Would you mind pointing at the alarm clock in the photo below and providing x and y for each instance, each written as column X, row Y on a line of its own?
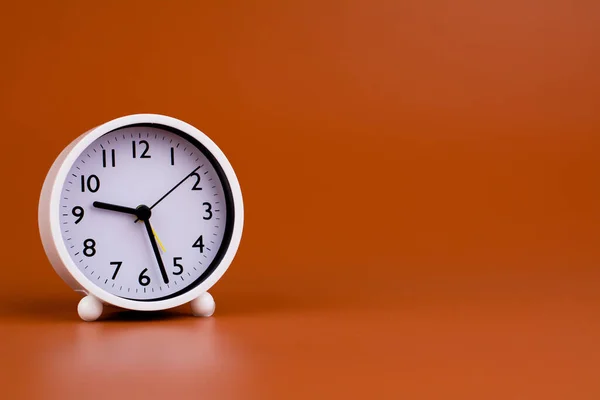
column 143, row 212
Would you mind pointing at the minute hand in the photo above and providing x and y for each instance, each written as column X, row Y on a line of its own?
column 161, row 265
column 173, row 188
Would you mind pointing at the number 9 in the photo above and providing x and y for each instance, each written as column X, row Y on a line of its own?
column 78, row 212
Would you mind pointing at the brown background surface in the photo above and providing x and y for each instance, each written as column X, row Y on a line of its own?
column 421, row 186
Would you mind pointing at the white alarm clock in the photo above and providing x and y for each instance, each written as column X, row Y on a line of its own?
column 143, row 212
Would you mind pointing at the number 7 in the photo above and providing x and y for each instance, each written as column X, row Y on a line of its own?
column 118, row 264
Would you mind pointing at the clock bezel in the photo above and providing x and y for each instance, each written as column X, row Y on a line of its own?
column 49, row 212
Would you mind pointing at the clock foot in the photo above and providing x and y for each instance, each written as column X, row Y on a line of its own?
column 203, row 305
column 89, row 308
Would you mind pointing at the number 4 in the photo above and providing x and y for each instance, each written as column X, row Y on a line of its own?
column 199, row 244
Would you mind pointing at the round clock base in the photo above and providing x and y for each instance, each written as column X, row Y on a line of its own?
column 203, row 305
column 90, row 308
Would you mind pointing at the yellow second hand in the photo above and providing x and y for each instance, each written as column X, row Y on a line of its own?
column 158, row 241
column 162, row 247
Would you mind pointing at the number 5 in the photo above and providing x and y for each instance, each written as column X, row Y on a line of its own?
column 176, row 265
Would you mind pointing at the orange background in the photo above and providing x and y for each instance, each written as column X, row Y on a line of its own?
column 421, row 183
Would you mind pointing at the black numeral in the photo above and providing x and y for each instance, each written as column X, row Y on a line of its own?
column 89, row 247
column 177, row 265
column 172, row 156
column 208, row 211
column 196, row 187
column 199, row 244
column 144, row 280
column 92, row 183
column 118, row 264
column 112, row 154
column 78, row 212
column 141, row 142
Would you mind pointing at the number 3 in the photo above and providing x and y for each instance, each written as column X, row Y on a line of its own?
column 208, row 210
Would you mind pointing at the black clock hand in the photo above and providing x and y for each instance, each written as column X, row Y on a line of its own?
column 174, row 187
column 114, row 207
column 142, row 212
column 161, row 266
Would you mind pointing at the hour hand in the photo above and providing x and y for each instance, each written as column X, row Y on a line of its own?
column 114, row 207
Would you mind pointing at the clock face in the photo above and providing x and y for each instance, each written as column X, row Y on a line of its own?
column 146, row 212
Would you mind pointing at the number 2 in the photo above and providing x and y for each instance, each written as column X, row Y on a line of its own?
column 195, row 187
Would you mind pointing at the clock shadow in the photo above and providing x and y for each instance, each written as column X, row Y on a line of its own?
column 64, row 309
column 229, row 303
column 114, row 315
column 232, row 303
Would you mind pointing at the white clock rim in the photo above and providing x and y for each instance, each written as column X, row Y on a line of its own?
column 56, row 248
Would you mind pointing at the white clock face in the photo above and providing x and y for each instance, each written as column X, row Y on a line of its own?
column 172, row 187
